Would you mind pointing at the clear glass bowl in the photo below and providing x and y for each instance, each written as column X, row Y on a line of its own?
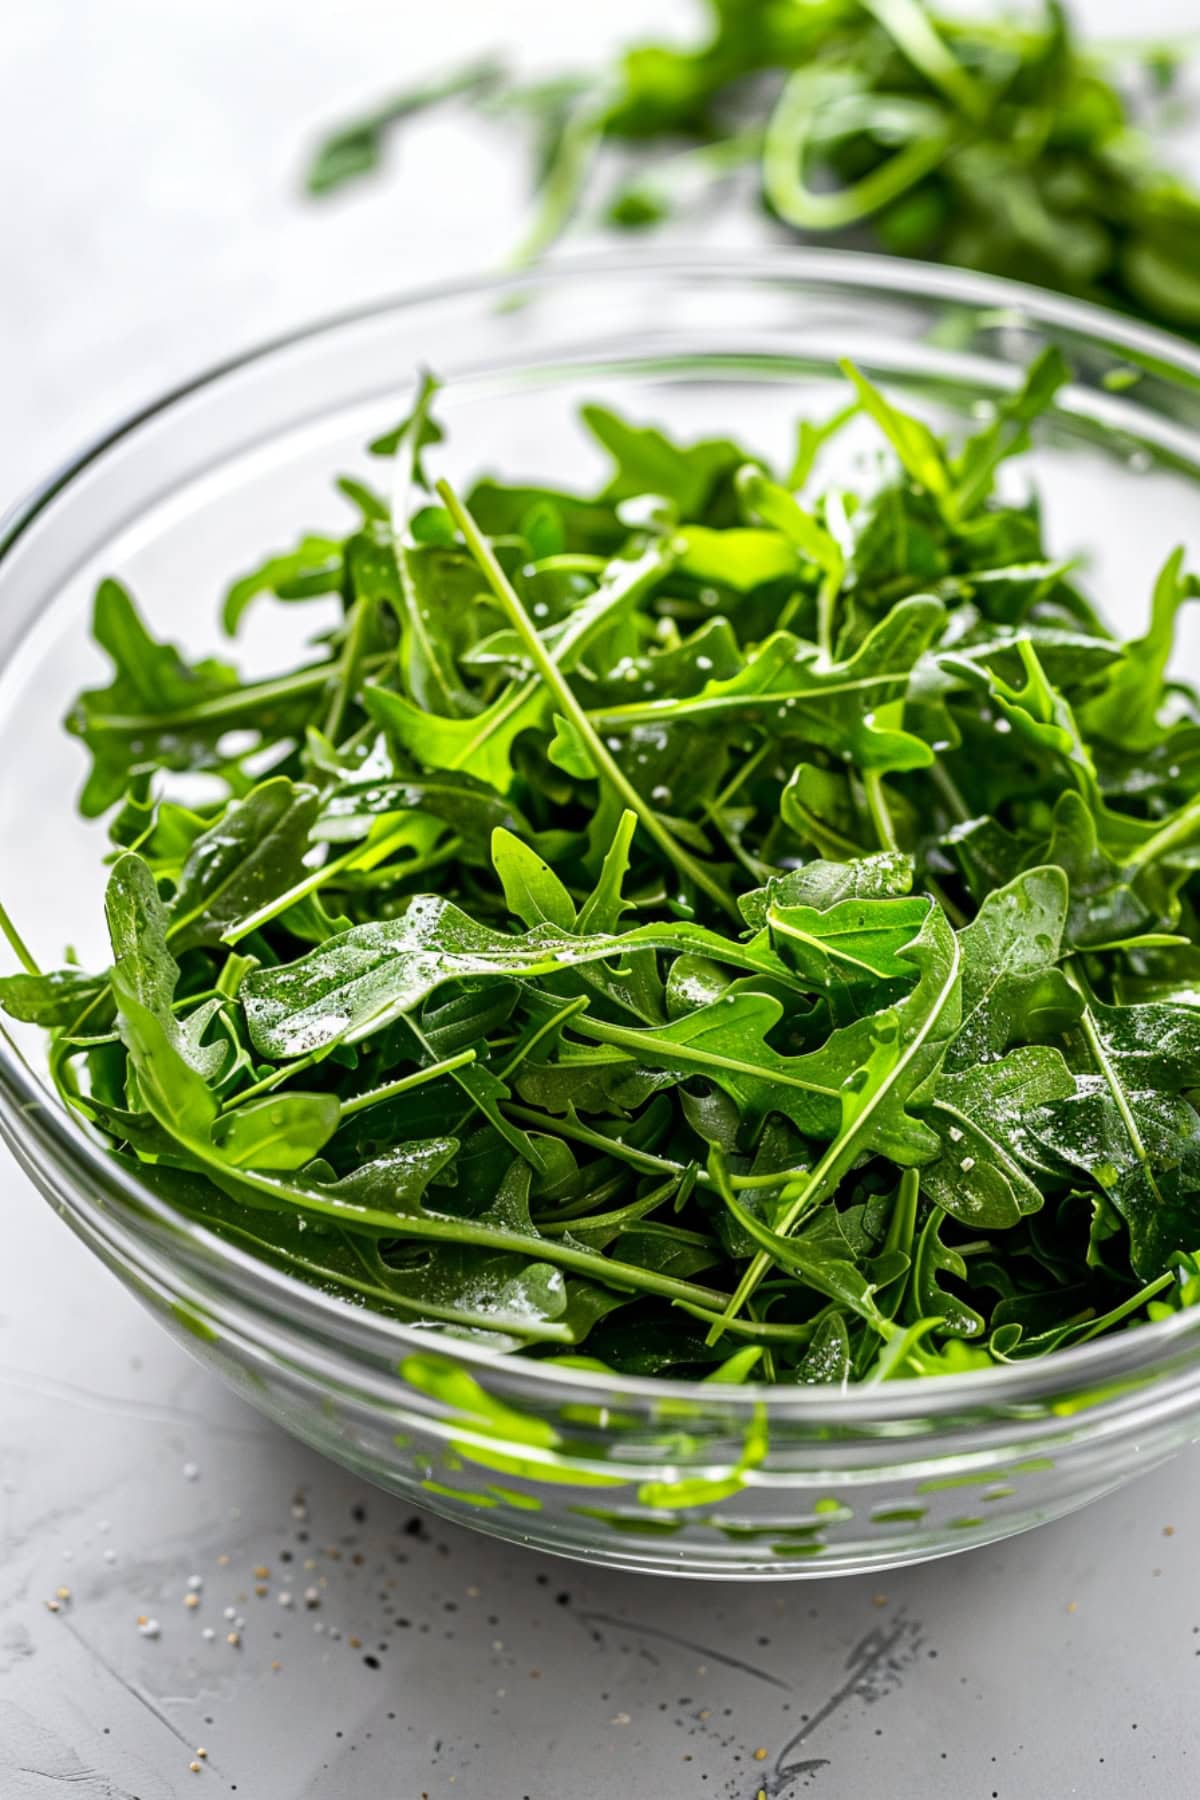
column 676, row 1477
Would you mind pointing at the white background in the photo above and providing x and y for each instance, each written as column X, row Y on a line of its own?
column 150, row 160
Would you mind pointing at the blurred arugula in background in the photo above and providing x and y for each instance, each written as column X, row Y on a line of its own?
column 998, row 143
column 733, row 921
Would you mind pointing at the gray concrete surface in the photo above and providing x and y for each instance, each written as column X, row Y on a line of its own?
column 147, row 166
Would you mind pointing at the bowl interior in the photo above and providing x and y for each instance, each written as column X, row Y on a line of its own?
column 241, row 465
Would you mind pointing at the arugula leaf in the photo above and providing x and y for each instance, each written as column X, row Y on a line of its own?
column 927, row 1298
column 673, row 886
column 280, row 1131
column 1105, row 903
column 532, row 891
column 915, row 444
column 315, row 567
column 58, row 999
column 1127, row 711
column 356, row 149
column 365, row 978
column 980, row 1178
column 647, row 462
column 851, row 949
column 1005, row 145
column 480, row 745
column 135, row 722
column 174, row 1069
column 1154, row 1045
column 785, row 683
column 1142, row 1150
column 1007, row 435
column 823, row 885
column 253, row 853
column 1011, row 986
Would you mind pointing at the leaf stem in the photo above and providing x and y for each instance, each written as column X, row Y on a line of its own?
column 406, row 1083
column 597, row 1140
column 225, row 706
column 311, row 882
column 563, row 182
column 347, row 669
column 790, row 134
column 549, row 671
column 827, row 597
column 437, row 1228
column 779, row 1179
column 275, row 1079
column 1181, row 826
column 19, row 947
column 917, row 38
column 877, row 805
column 948, row 788
column 681, row 1054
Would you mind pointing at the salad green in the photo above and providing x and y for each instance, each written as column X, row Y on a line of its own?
column 734, row 921
column 1002, row 143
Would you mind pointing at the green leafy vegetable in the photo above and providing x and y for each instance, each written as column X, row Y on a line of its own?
column 1002, row 144
column 751, row 935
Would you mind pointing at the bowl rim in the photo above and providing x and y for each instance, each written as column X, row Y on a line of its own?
column 69, row 1147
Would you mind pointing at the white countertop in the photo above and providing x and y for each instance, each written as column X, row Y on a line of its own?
column 149, row 160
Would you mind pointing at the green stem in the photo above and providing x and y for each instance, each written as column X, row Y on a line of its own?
column 741, row 775
column 569, row 562
column 583, row 1134
column 19, row 947
column 790, row 134
column 406, row 1083
column 1177, row 830
column 717, row 706
column 559, row 194
column 948, row 788
column 827, row 597
column 547, row 668
column 915, row 35
column 627, row 1214
column 877, row 804
column 347, row 672
column 779, row 1179
column 225, row 706
column 678, row 1054
column 275, row 1079
column 437, row 1229
column 815, row 1189
column 311, row 882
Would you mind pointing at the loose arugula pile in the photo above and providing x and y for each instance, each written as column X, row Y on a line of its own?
column 729, row 923
column 997, row 144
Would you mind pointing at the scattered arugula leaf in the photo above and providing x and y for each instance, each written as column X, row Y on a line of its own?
column 1003, row 144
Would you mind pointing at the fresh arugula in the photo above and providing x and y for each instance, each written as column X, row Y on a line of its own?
column 748, row 930
column 1002, row 144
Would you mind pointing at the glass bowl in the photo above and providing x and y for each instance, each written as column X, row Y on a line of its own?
column 686, row 1478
